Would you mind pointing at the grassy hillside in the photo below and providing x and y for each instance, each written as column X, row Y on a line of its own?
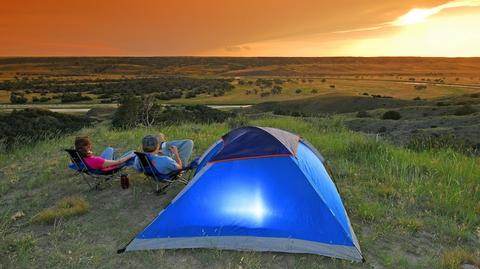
column 409, row 210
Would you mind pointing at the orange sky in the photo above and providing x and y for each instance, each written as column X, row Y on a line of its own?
column 239, row 28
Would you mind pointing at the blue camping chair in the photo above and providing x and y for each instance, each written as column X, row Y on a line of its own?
column 150, row 172
column 93, row 178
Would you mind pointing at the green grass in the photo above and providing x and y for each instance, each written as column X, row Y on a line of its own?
column 409, row 209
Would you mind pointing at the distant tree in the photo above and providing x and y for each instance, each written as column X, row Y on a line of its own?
column 276, row 89
column 465, row 110
column 264, row 94
column 391, row 115
column 126, row 114
column 18, row 98
column 382, row 129
column 420, row 87
column 74, row 97
column 44, row 99
column 190, row 94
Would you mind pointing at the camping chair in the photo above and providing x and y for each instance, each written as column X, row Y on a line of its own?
column 156, row 177
column 91, row 176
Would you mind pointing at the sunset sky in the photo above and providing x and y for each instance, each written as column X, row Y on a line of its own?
column 239, row 28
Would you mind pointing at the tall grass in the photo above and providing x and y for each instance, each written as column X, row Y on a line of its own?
column 395, row 197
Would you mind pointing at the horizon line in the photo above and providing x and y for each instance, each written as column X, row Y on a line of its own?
column 220, row 56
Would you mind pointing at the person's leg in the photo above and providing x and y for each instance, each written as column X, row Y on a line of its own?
column 107, row 154
column 185, row 148
column 128, row 153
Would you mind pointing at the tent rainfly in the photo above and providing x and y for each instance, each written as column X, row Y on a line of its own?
column 260, row 189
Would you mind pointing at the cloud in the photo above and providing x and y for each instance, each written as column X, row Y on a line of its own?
column 416, row 15
column 237, row 48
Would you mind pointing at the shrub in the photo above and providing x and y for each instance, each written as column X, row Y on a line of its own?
column 135, row 111
column 238, row 121
column 382, row 129
column 365, row 93
column 277, row 89
column 264, row 94
column 44, row 99
column 475, row 95
column 465, row 110
column 64, row 209
column 332, row 86
column 391, row 115
column 423, row 141
column 420, row 87
column 314, row 91
column 190, row 94
column 363, row 114
column 74, row 97
column 18, row 98
column 417, row 98
column 297, row 91
column 36, row 124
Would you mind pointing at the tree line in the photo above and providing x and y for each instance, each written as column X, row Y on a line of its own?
column 166, row 87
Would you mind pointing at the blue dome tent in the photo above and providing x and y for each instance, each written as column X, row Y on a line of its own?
column 261, row 189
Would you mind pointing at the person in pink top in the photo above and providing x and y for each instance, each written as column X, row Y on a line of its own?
column 105, row 162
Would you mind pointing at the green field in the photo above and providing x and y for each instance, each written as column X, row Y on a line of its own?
column 315, row 88
column 409, row 209
column 350, row 76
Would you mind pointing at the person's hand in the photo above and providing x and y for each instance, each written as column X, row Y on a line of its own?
column 174, row 150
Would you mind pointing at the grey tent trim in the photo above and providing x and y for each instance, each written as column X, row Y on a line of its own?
column 289, row 140
column 274, row 244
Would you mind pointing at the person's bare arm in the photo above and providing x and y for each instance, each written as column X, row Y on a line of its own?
column 109, row 163
column 174, row 150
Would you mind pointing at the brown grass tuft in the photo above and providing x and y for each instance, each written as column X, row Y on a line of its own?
column 454, row 258
column 65, row 208
column 410, row 224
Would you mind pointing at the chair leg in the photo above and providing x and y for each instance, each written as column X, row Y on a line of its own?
column 85, row 178
column 183, row 180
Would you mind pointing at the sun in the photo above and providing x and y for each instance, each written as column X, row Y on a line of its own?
column 414, row 16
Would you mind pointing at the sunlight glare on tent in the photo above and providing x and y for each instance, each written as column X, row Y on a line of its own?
column 247, row 205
